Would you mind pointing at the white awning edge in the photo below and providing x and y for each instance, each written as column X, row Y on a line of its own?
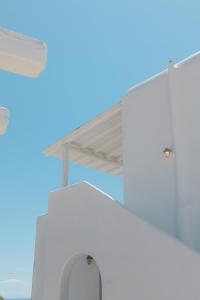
column 4, row 119
column 21, row 54
column 97, row 144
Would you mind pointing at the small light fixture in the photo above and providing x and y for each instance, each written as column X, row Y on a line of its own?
column 89, row 259
column 167, row 152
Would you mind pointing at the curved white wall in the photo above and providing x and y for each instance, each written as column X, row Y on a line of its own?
column 81, row 279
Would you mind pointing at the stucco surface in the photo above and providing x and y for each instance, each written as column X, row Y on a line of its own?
column 164, row 113
column 135, row 260
column 149, row 178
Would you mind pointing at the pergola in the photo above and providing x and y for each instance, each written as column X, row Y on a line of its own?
column 97, row 144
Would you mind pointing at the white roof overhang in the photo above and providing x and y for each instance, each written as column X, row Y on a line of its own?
column 97, row 144
column 4, row 119
column 21, row 54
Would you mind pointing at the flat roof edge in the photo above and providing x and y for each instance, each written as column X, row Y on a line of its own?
column 53, row 149
column 180, row 64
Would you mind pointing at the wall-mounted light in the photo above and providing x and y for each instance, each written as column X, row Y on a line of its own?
column 89, row 259
column 167, row 152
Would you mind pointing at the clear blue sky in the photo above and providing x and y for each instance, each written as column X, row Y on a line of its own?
column 97, row 49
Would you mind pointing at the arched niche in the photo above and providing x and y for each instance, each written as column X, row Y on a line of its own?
column 81, row 279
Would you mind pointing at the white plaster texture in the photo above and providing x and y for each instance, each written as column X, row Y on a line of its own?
column 135, row 259
column 164, row 113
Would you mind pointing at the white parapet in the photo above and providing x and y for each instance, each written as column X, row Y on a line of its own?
column 21, row 54
column 4, row 119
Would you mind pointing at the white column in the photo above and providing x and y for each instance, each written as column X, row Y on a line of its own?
column 65, row 154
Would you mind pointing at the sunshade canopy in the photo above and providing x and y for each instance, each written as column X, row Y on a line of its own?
column 4, row 119
column 21, row 54
column 97, row 144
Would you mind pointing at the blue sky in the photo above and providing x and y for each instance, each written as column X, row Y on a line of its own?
column 96, row 51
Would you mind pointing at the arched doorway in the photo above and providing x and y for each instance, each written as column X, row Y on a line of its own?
column 81, row 279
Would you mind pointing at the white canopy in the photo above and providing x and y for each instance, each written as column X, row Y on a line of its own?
column 4, row 119
column 97, row 144
column 21, row 54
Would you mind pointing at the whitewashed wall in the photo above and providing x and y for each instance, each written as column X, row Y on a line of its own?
column 39, row 268
column 164, row 112
column 185, row 86
column 135, row 260
column 149, row 178
column 83, row 281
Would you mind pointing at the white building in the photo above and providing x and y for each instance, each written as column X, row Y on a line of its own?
column 89, row 247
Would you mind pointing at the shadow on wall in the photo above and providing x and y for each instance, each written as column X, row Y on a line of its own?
column 81, row 279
